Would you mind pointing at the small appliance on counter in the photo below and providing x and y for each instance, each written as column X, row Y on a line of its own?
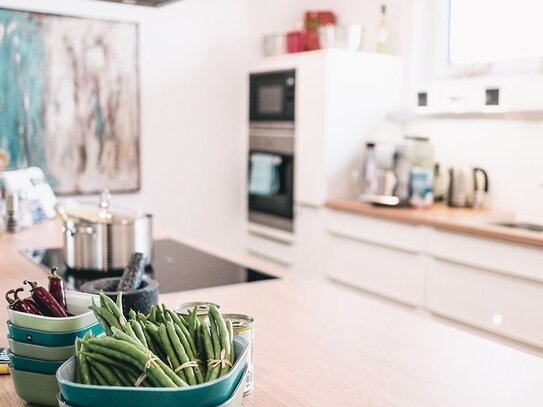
column 103, row 237
column 468, row 187
column 392, row 172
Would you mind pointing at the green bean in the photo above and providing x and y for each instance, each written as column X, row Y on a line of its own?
column 181, row 353
column 201, row 350
column 130, row 332
column 77, row 366
column 114, row 308
column 231, row 333
column 224, row 335
column 112, row 362
column 136, row 327
column 187, row 341
column 111, row 305
column 167, row 370
column 188, row 350
column 152, row 314
column 83, row 364
column 132, row 315
column 150, row 341
column 104, row 323
column 170, row 352
column 131, row 353
column 119, row 303
column 123, row 336
column 173, row 315
column 215, row 339
column 103, row 304
column 192, row 321
column 210, row 352
column 122, row 375
column 101, row 380
column 107, row 315
column 108, row 375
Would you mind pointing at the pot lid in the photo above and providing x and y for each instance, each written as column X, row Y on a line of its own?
column 104, row 212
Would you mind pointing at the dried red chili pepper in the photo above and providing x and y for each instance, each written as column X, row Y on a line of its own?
column 27, row 306
column 56, row 288
column 45, row 301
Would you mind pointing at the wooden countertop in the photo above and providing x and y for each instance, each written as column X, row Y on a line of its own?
column 470, row 221
column 317, row 344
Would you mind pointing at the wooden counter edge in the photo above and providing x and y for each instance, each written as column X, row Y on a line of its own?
column 460, row 220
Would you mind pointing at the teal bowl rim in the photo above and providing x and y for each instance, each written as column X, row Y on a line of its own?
column 9, row 323
column 44, row 347
column 63, row 381
column 33, row 365
column 43, row 361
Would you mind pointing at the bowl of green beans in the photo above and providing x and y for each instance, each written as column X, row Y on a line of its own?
column 160, row 359
column 208, row 394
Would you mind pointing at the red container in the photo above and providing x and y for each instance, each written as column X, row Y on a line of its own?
column 313, row 20
column 295, row 41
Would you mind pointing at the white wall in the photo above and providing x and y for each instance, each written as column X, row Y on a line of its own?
column 193, row 58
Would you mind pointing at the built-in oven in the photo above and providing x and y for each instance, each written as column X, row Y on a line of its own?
column 271, row 177
column 272, row 96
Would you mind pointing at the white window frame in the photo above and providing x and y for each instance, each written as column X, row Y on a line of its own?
column 443, row 67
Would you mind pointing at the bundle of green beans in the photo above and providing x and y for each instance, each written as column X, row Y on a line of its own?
column 161, row 349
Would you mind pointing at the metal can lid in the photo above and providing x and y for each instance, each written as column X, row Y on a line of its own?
column 202, row 307
column 239, row 320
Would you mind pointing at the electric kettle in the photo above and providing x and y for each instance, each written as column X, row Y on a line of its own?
column 466, row 188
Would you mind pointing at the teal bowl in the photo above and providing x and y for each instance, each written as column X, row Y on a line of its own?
column 34, row 365
column 202, row 395
column 29, row 350
column 234, row 400
column 35, row 388
column 43, row 338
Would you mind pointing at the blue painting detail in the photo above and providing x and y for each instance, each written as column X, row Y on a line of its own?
column 22, row 63
column 69, row 100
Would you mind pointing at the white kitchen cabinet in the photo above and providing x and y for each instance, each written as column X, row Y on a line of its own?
column 369, row 229
column 310, row 241
column 489, row 284
column 392, row 273
column 506, row 305
column 271, row 244
column 503, row 257
column 340, row 96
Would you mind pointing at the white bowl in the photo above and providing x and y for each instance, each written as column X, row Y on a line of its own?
column 30, row 350
column 78, row 304
column 347, row 37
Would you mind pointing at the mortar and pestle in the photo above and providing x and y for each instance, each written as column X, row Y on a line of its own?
column 138, row 293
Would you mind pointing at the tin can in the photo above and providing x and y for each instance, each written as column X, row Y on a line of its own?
column 421, row 188
column 244, row 326
column 202, row 309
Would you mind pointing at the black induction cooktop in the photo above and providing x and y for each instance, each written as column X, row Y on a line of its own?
column 176, row 267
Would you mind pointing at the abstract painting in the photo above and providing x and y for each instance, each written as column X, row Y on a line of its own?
column 69, row 100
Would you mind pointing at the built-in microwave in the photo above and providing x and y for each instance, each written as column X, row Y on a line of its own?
column 272, row 96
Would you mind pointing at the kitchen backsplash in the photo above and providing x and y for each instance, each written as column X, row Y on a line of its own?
column 509, row 150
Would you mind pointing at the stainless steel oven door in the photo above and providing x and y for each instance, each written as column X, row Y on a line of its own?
column 271, row 181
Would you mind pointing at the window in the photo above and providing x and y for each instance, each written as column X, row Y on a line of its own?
column 486, row 31
column 482, row 37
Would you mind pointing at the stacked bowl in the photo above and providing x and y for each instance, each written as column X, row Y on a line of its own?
column 39, row 345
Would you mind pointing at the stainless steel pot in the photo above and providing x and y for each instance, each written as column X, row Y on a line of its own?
column 102, row 238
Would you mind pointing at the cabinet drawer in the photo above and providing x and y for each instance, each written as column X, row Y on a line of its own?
column 502, row 304
column 392, row 273
column 372, row 230
column 271, row 249
column 509, row 258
